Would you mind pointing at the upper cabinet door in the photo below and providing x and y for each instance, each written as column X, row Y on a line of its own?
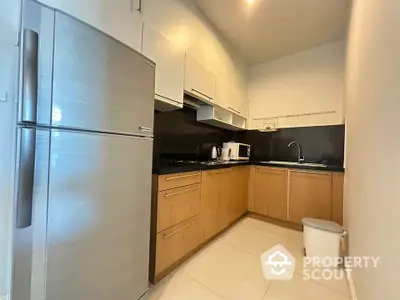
column 98, row 83
column 236, row 101
column 199, row 82
column 170, row 65
column 120, row 19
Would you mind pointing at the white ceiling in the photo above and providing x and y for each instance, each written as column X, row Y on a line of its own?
column 268, row 29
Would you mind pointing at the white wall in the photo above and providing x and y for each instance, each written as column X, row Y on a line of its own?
column 9, row 16
column 372, row 194
column 309, row 81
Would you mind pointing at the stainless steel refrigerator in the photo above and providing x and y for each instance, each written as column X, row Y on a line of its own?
column 83, row 169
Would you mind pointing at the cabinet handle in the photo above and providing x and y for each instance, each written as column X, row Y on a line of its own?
column 181, row 177
column 194, row 90
column 325, row 173
column 222, row 171
column 181, row 192
column 178, row 230
column 234, row 110
column 270, row 170
column 146, row 129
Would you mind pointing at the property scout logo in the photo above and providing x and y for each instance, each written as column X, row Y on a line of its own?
column 278, row 264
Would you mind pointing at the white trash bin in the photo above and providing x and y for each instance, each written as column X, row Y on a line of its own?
column 322, row 239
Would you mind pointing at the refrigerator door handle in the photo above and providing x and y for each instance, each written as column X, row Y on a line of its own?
column 26, row 171
column 30, row 75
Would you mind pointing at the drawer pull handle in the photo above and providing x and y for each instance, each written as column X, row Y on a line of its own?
column 181, row 192
column 178, row 230
column 181, row 177
column 325, row 173
column 274, row 171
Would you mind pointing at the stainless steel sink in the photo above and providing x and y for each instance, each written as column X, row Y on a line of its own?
column 293, row 163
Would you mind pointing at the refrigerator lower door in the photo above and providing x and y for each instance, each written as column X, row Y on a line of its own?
column 28, row 276
column 90, row 234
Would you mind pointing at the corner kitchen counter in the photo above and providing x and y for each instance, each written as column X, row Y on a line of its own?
column 175, row 167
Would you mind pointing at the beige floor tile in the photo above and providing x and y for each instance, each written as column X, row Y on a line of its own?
column 181, row 286
column 339, row 283
column 255, row 237
column 229, row 272
column 299, row 289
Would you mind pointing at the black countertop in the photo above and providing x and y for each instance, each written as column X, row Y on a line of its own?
column 180, row 167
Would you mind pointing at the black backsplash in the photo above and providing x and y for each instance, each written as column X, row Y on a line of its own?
column 320, row 144
column 178, row 135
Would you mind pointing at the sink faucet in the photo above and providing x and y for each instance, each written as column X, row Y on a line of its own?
column 300, row 157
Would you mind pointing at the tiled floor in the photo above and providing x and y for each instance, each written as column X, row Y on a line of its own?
column 230, row 269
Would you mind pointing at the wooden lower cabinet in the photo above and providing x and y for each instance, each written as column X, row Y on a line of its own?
column 210, row 195
column 310, row 195
column 176, row 205
column 239, row 191
column 176, row 242
column 170, row 181
column 268, row 195
column 223, row 198
column 190, row 208
column 337, row 197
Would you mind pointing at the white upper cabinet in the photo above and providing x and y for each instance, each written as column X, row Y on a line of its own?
column 199, row 81
column 120, row 19
column 237, row 101
column 232, row 98
column 170, row 66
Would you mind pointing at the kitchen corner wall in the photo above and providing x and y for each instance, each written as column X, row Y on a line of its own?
column 309, row 81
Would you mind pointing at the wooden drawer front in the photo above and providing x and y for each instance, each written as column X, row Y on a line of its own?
column 175, row 242
column 171, row 181
column 177, row 205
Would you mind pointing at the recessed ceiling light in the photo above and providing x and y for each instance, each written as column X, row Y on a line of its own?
column 250, row 1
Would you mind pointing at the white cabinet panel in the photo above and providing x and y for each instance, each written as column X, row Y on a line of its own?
column 233, row 99
column 199, row 82
column 120, row 19
column 170, row 66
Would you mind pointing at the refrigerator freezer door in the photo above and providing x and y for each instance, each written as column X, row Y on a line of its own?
column 98, row 216
column 36, row 68
column 100, row 84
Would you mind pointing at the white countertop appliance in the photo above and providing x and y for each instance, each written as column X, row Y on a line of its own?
column 239, row 151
